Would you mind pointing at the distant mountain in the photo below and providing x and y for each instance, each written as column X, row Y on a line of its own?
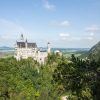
column 94, row 52
column 6, row 48
column 71, row 49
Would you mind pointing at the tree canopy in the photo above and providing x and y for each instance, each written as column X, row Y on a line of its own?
column 28, row 80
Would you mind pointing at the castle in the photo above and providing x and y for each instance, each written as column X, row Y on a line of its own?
column 25, row 49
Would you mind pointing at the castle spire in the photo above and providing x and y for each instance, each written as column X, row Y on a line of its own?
column 22, row 37
column 26, row 40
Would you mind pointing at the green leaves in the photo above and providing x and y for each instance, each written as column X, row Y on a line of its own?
column 28, row 80
column 25, row 79
column 78, row 76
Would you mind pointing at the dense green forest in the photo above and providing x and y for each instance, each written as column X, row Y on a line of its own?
column 28, row 80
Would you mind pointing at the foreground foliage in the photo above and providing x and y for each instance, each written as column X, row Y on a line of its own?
column 28, row 80
column 80, row 77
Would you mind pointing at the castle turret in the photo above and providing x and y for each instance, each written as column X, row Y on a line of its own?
column 26, row 43
column 48, row 47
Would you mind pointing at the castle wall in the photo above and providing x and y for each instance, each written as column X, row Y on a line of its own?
column 24, row 53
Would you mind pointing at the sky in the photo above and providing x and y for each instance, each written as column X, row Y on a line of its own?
column 63, row 23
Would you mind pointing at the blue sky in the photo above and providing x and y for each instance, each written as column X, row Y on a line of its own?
column 64, row 23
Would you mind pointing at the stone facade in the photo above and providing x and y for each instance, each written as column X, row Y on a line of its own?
column 24, row 50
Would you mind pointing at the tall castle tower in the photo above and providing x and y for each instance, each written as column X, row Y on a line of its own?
column 48, row 48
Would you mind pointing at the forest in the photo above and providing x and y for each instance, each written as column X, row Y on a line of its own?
column 26, row 79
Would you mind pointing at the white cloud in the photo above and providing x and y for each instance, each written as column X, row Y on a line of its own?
column 48, row 6
column 89, row 38
column 75, row 38
column 91, row 34
column 64, row 23
column 64, row 35
column 68, row 37
column 93, row 29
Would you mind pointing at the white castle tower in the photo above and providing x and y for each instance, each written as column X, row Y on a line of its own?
column 48, row 48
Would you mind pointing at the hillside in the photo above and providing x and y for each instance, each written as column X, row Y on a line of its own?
column 6, row 48
column 94, row 52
